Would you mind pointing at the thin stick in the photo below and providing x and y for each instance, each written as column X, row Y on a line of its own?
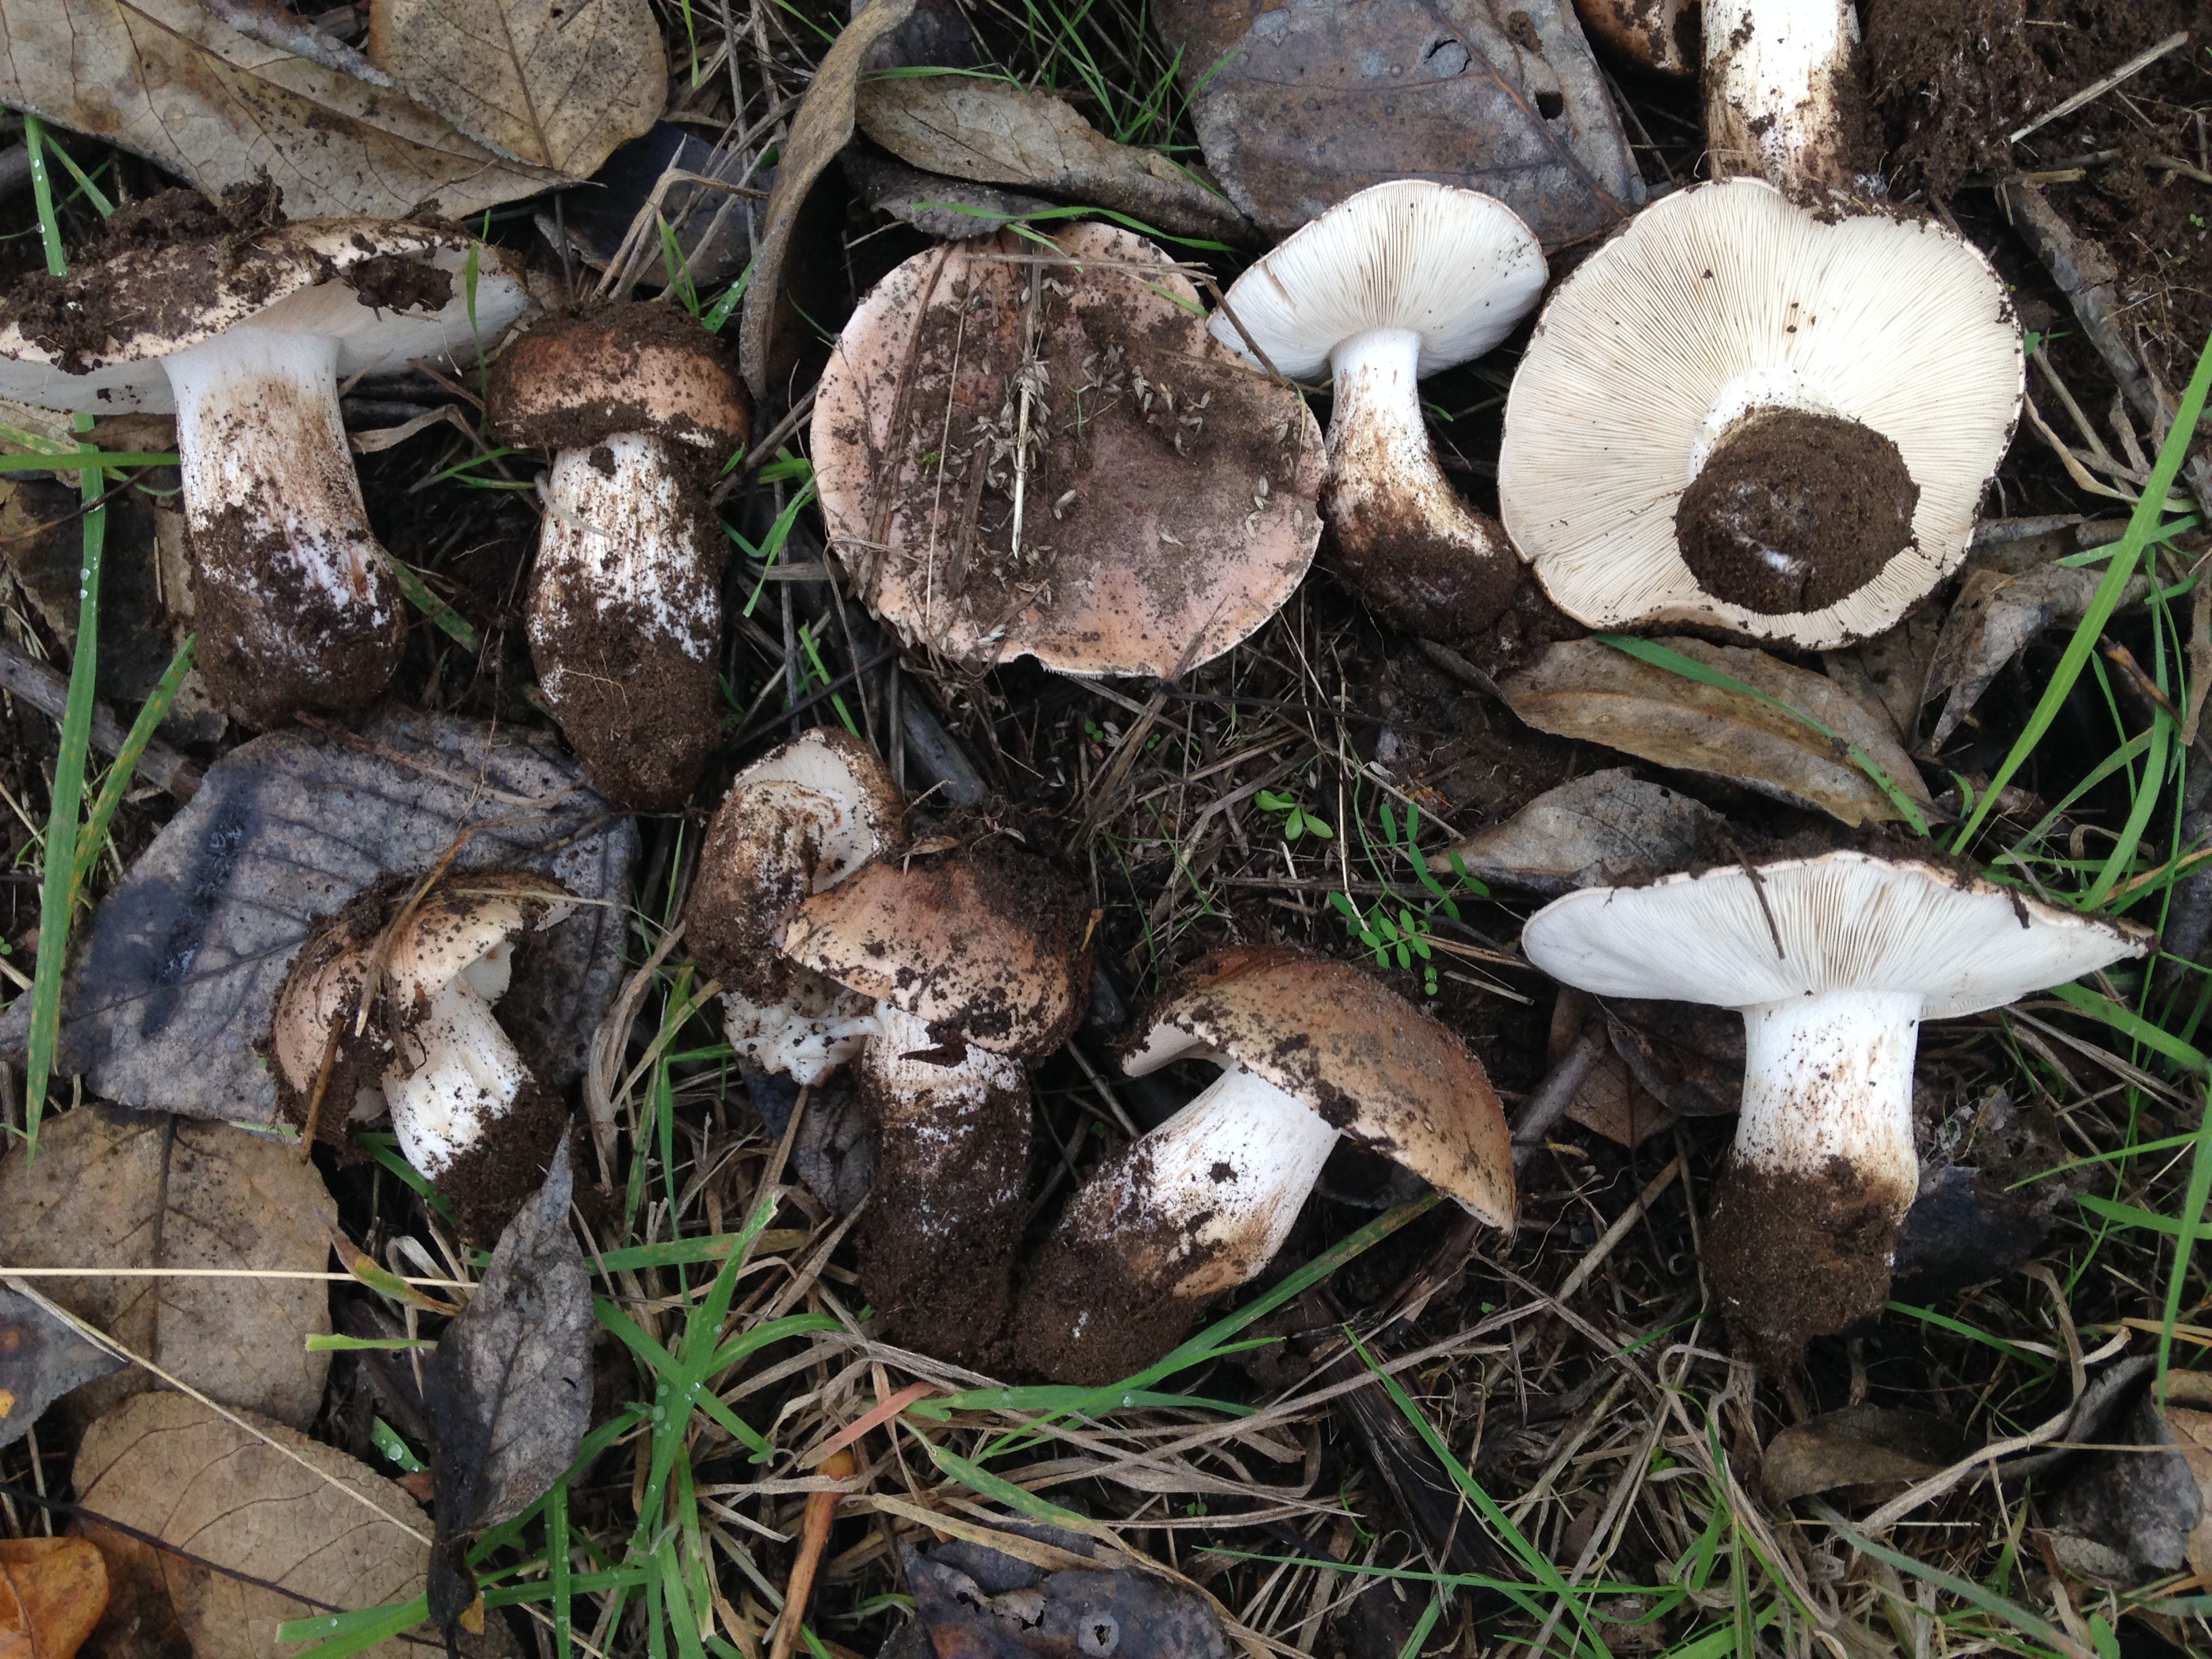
column 2134, row 65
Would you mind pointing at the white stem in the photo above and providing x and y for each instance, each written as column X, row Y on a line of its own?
column 1225, row 1177
column 621, row 538
column 456, row 1073
column 1777, row 77
column 258, row 429
column 1829, row 1078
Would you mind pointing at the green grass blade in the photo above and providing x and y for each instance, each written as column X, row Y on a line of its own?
column 1000, row 1490
column 117, row 784
column 42, row 192
column 2191, row 1223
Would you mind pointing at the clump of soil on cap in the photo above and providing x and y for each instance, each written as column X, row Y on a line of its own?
column 395, row 281
column 1793, row 511
column 939, row 1240
column 1793, row 1258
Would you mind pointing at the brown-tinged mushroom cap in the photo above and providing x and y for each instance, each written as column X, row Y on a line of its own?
column 1659, row 36
column 1376, row 1068
column 1021, row 457
column 573, row 382
column 989, row 943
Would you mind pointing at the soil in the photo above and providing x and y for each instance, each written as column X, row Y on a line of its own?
column 1085, row 1318
column 641, row 712
column 1437, row 581
column 578, row 378
column 1793, row 1258
column 42, row 543
column 1795, row 511
column 393, row 281
column 487, row 1184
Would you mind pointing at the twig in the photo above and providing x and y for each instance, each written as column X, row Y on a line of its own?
column 48, row 692
column 813, row 1543
column 2134, row 65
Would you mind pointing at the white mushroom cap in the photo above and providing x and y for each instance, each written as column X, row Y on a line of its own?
column 1455, row 266
column 1847, row 922
column 1726, row 299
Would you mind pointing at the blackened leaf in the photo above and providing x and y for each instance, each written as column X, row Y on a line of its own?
column 2127, row 1517
column 1107, row 1612
column 1998, row 616
column 41, row 1359
column 1860, row 1446
column 508, row 1392
column 181, row 965
column 1299, row 105
column 1608, row 827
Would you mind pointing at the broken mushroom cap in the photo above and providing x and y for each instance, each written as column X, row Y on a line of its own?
column 1833, row 962
column 1781, row 91
column 1396, row 282
column 800, row 819
column 1737, row 414
column 247, row 340
column 1658, row 35
column 1310, row 1049
column 625, row 609
column 429, row 1045
column 1048, row 457
column 987, row 943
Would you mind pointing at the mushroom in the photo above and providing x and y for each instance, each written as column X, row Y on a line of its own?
column 1396, row 282
column 797, row 821
column 1783, row 98
column 1834, row 961
column 1658, row 35
column 390, row 1008
column 1738, row 414
column 247, row 339
column 1036, row 450
column 637, row 401
column 1310, row 1050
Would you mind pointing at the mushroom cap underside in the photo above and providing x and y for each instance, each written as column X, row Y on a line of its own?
column 1167, row 489
column 1456, row 267
column 1714, row 303
column 573, row 382
column 1376, row 1068
column 1734, row 937
column 160, row 300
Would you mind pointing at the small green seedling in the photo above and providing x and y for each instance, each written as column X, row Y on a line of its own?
column 1297, row 821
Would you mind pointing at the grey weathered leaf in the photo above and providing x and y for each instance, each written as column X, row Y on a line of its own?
column 1587, row 689
column 112, row 1188
column 508, row 1392
column 951, row 210
column 167, row 79
column 1860, row 1446
column 1996, row 616
column 993, row 133
column 1605, row 827
column 181, row 965
column 983, row 1604
column 1298, row 106
column 41, row 1359
column 2127, row 1517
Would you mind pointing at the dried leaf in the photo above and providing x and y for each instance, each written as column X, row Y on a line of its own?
column 1608, row 1100
column 182, row 964
column 549, row 83
column 113, row 1188
column 1688, row 1057
column 1299, row 105
column 993, row 133
column 1587, row 689
column 508, row 1392
column 52, row 1591
column 166, row 1465
column 1998, row 617
column 167, row 79
column 1608, row 827
column 818, row 132
column 2131, row 1515
column 2192, row 1435
column 1859, row 1447
column 1000, row 1608
column 41, row 1359
column 951, row 210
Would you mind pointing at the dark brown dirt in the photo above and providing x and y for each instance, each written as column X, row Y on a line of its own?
column 493, row 1179
column 1793, row 1259
column 1948, row 74
column 642, row 714
column 579, row 378
column 1085, row 1318
column 1413, row 578
column 1792, row 512
column 42, row 543
column 939, row 1240
column 392, row 281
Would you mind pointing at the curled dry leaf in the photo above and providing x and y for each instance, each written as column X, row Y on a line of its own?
column 1864, row 1448
column 549, row 83
column 509, row 1390
column 2130, row 1515
column 314, row 1520
column 1299, row 105
column 2192, row 1436
column 990, row 132
column 167, row 79
column 1608, row 1100
column 52, row 1592
column 1588, row 690
column 113, row 1188
column 181, row 965
column 1996, row 616
column 41, row 1359
column 1607, row 828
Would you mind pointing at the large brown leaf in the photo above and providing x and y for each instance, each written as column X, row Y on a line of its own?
column 1588, row 689
column 167, row 79
column 550, row 83
column 1299, row 105
column 120, row 1189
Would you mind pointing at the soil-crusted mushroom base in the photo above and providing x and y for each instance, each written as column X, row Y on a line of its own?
column 1794, row 1256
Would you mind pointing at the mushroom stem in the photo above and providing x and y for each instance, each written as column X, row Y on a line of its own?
column 1778, row 82
column 625, row 612
column 456, row 1073
column 1418, row 555
column 294, row 591
column 1806, row 1218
